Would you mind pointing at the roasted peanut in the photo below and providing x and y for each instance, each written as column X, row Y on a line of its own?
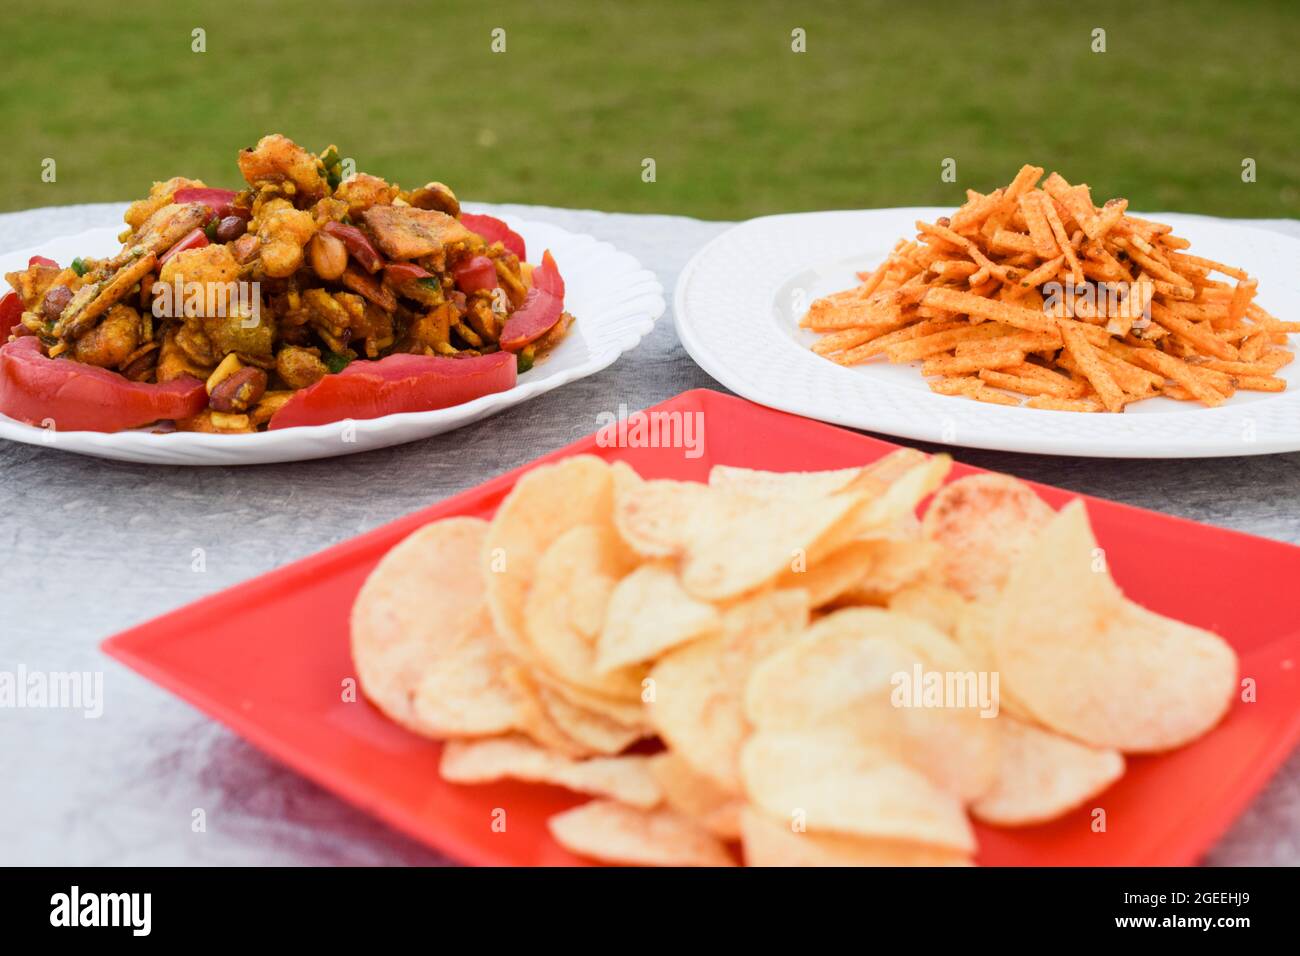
column 55, row 301
column 142, row 368
column 239, row 392
column 329, row 257
column 230, row 229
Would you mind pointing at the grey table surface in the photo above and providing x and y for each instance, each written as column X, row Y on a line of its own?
column 91, row 547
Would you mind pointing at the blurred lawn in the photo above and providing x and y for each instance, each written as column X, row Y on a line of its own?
column 737, row 124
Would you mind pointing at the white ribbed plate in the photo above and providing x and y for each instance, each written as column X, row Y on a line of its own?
column 739, row 300
column 614, row 300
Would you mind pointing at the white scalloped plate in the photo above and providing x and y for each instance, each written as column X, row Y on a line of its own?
column 739, row 300
column 614, row 300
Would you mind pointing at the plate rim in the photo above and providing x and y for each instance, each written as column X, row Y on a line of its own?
column 1045, row 442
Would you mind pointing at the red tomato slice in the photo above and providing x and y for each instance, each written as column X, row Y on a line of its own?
column 541, row 308
column 42, row 261
column 474, row 274
column 494, row 230
column 11, row 311
column 398, row 383
column 194, row 239
column 399, row 272
column 218, row 200
column 78, row 397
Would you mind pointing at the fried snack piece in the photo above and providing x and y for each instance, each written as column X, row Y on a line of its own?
column 648, row 614
column 614, row 833
column 423, row 643
column 983, row 523
column 625, row 779
column 769, row 842
column 1091, row 664
column 1042, row 775
column 699, row 688
column 695, row 796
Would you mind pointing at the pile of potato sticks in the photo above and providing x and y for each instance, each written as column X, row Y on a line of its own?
column 1142, row 318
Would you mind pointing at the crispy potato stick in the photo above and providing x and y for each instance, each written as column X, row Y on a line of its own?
column 1019, row 383
column 1241, row 296
column 1203, row 339
column 1260, row 383
column 877, row 346
column 1052, row 404
column 970, row 387
column 847, row 339
column 971, row 304
column 1180, row 372
column 939, row 342
column 1062, row 240
column 1184, row 258
column 1110, row 216
column 964, row 364
column 1040, row 231
column 1093, row 369
column 1078, row 202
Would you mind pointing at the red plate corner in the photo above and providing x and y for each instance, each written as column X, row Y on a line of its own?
column 268, row 658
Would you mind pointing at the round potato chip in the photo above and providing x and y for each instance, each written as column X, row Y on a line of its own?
column 422, row 639
column 826, row 577
column 898, row 563
column 648, row 613
column 889, row 496
column 833, row 782
column 572, row 582
column 738, row 543
column 654, row 517
column 625, row 779
column 535, row 719
column 595, row 731
column 984, row 523
column 695, row 796
column 937, row 604
column 544, row 503
column 1043, row 775
column 849, row 670
column 805, row 484
column 974, row 635
column 614, row 833
column 769, row 842
column 629, row 713
column 1092, row 665
column 699, row 687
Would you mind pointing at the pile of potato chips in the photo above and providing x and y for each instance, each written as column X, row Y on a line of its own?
column 761, row 627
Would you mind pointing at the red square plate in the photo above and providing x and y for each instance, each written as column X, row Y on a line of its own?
column 268, row 658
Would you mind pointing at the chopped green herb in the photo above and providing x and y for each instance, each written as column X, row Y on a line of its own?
column 336, row 362
column 430, row 283
column 210, row 230
column 79, row 266
column 524, row 361
column 333, row 167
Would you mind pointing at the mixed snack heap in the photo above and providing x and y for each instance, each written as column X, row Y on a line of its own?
column 1034, row 294
column 760, row 628
column 304, row 298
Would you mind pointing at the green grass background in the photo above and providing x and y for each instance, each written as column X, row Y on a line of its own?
column 737, row 124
